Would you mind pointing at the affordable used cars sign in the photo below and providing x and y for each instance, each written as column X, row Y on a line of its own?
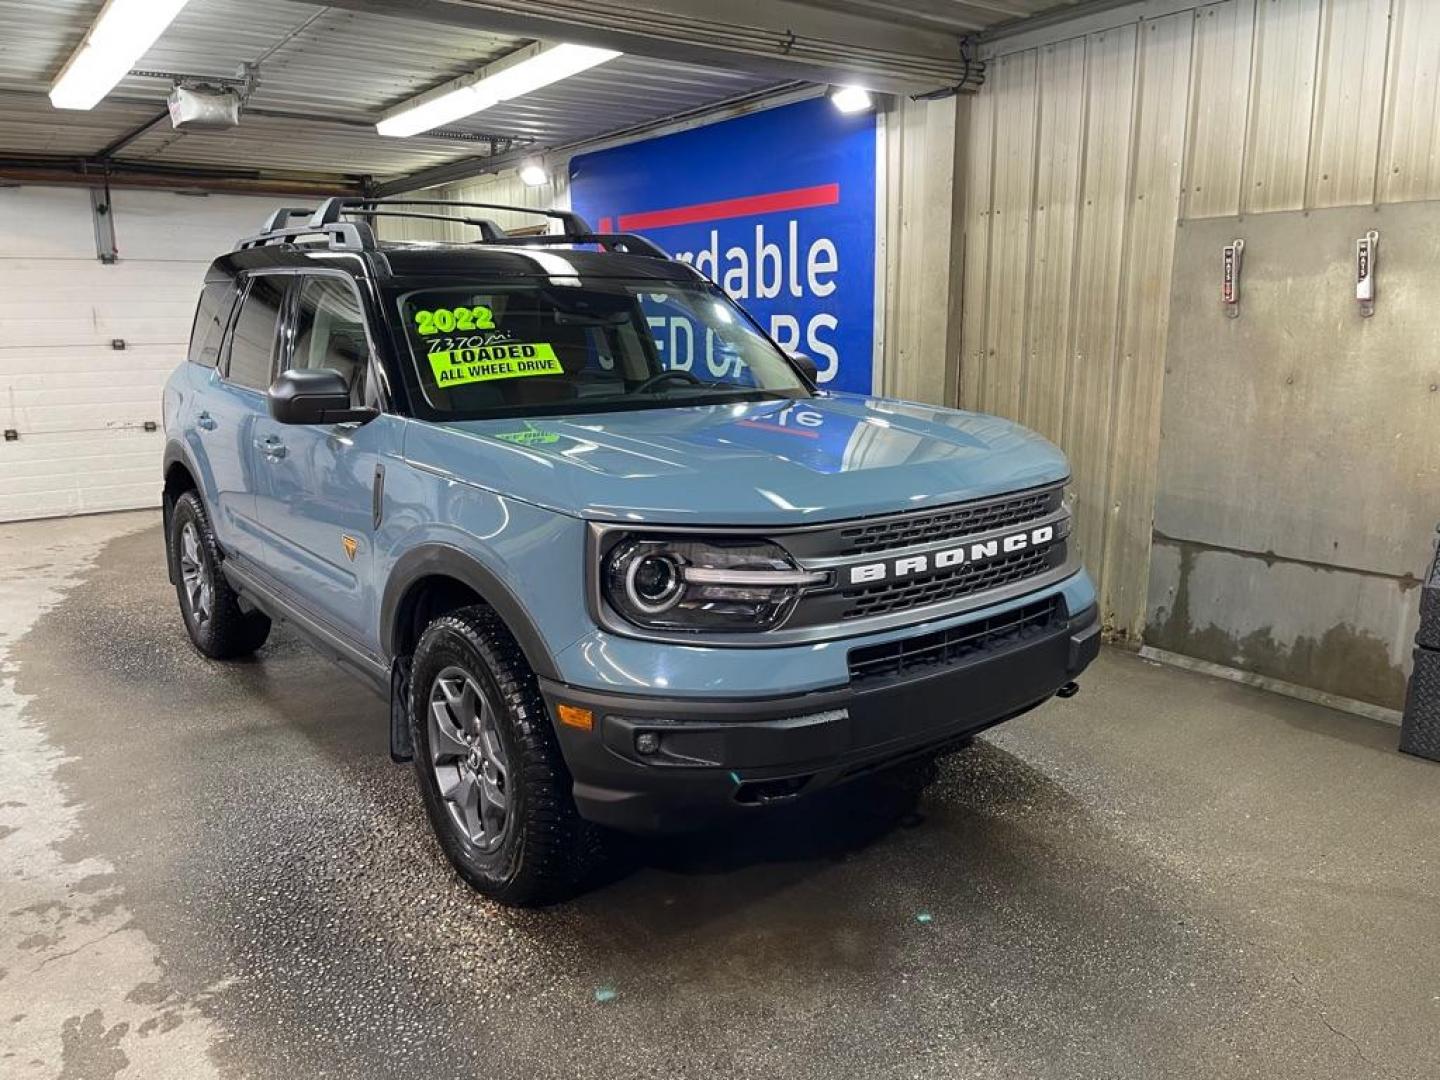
column 777, row 208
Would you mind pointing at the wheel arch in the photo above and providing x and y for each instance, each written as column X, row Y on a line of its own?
column 434, row 578
column 179, row 477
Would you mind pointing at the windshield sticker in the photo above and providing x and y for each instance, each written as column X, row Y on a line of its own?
column 453, row 367
column 447, row 320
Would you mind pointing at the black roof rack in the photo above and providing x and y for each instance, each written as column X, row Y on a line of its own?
column 331, row 210
column 489, row 231
column 342, row 235
column 328, row 221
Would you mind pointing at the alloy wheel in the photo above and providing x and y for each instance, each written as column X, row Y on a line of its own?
column 468, row 758
column 199, row 594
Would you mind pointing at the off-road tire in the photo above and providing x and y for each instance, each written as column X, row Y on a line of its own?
column 227, row 631
column 545, row 849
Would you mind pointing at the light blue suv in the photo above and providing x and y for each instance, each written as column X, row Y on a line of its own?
column 614, row 558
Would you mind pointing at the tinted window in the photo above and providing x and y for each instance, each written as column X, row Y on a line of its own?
column 216, row 301
column 252, row 342
column 330, row 332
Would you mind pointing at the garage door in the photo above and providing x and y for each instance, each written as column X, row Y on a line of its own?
column 85, row 348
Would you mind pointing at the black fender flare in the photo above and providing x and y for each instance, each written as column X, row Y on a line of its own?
column 176, row 453
column 431, row 559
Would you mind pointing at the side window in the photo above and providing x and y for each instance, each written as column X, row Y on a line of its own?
column 330, row 331
column 216, row 301
column 252, row 342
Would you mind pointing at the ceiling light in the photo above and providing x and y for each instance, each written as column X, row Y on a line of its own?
column 533, row 174
column 851, row 99
column 511, row 77
column 121, row 34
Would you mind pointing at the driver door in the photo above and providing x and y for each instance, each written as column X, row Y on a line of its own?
column 317, row 490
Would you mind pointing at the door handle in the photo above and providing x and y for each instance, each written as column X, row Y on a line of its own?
column 272, row 448
column 205, row 421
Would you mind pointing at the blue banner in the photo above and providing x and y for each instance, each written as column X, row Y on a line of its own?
column 777, row 208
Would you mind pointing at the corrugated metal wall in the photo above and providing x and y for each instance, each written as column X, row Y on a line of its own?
column 1083, row 151
column 919, row 275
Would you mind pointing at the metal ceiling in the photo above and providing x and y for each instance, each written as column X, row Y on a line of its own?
column 324, row 74
column 959, row 16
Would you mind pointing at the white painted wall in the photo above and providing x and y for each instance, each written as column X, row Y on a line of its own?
column 78, row 404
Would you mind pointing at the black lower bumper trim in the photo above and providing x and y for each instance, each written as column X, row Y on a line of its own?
column 703, row 758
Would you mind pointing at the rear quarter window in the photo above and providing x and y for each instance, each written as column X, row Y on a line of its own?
column 217, row 300
column 252, row 340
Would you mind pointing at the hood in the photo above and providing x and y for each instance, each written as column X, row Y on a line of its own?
column 757, row 463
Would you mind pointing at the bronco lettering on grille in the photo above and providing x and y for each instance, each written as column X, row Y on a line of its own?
column 976, row 552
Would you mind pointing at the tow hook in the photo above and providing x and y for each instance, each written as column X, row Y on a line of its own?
column 1069, row 690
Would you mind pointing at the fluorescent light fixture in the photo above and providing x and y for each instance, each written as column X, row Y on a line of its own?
column 851, row 99
column 121, row 34
column 533, row 174
column 513, row 76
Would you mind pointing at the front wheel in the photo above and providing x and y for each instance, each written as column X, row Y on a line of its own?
column 495, row 786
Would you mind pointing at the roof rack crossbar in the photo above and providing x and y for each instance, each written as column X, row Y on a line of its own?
column 489, row 230
column 626, row 243
column 282, row 215
column 331, row 210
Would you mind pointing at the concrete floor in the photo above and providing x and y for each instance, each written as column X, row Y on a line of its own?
column 213, row 870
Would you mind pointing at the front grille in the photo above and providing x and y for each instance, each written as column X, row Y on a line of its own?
column 912, row 656
column 901, row 595
column 886, row 534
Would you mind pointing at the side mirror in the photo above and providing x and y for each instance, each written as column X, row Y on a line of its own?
column 314, row 396
column 807, row 367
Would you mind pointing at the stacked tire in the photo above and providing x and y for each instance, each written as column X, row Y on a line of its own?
column 1420, row 731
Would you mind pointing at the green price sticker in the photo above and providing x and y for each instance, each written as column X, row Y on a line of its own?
column 454, row 367
column 529, row 435
column 449, row 320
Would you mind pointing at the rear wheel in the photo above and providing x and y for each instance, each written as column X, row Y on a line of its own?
column 489, row 768
column 217, row 625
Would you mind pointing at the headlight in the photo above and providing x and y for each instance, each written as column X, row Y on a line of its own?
column 675, row 583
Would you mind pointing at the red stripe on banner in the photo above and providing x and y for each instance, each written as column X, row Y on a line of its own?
column 776, row 201
column 605, row 225
column 802, row 432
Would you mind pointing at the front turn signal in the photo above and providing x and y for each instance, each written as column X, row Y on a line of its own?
column 576, row 717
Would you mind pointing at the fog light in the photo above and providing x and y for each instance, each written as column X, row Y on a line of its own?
column 647, row 742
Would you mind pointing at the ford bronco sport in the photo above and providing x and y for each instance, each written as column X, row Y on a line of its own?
column 615, row 559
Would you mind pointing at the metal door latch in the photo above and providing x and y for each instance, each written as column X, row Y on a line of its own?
column 1367, row 251
column 1234, row 256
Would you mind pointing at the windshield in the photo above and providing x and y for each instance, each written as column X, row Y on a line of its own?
column 533, row 349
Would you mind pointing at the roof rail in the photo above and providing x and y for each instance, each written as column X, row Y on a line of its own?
column 341, row 236
column 331, row 210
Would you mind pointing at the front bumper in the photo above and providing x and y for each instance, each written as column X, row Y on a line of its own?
column 724, row 756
